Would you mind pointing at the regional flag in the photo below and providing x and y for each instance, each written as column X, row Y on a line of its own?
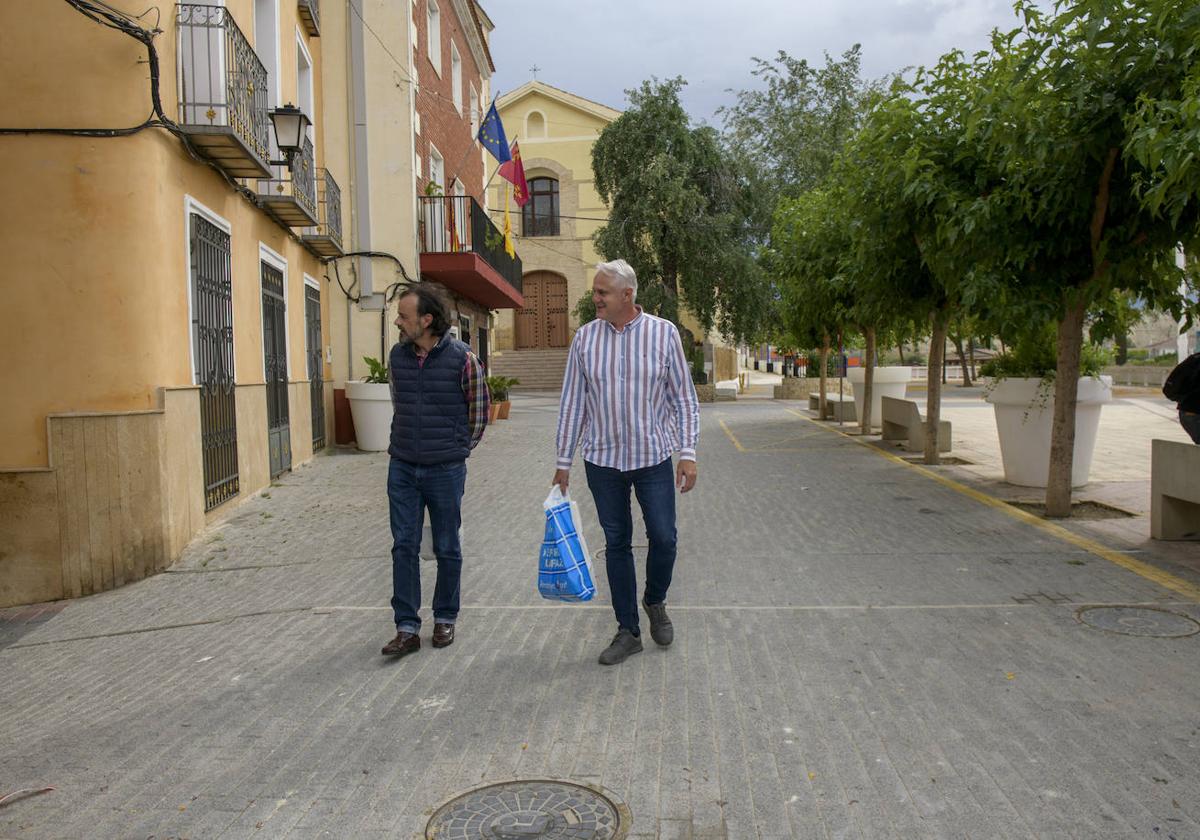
column 514, row 173
column 491, row 135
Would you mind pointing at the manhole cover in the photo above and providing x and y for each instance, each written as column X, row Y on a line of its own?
column 1139, row 621
column 530, row 809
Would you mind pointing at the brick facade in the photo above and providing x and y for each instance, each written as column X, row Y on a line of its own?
column 440, row 122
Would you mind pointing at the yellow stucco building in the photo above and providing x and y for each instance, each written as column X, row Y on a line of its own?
column 555, row 131
column 164, row 313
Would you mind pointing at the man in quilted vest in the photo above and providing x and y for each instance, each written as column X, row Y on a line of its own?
column 440, row 409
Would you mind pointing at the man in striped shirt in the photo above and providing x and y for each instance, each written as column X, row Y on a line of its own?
column 628, row 393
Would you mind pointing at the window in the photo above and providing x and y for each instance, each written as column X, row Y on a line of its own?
column 437, row 169
column 474, row 105
column 539, row 217
column 433, row 36
column 456, row 77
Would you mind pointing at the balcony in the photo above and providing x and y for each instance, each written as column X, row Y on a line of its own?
column 222, row 92
column 291, row 197
column 326, row 238
column 310, row 16
column 464, row 251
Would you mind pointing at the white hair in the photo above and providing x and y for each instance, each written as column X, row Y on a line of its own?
column 620, row 271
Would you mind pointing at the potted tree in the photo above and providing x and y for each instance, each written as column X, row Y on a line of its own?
column 371, row 407
column 1022, row 390
column 498, row 387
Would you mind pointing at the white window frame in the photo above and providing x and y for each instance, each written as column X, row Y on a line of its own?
column 306, row 97
column 267, row 254
column 433, row 35
column 456, row 78
column 475, row 111
column 190, row 206
column 437, row 161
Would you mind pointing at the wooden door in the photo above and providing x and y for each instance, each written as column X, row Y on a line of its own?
column 543, row 322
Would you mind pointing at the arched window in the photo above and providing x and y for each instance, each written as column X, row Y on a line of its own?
column 535, row 125
column 539, row 217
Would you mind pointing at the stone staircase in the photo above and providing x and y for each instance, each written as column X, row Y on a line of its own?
column 538, row 370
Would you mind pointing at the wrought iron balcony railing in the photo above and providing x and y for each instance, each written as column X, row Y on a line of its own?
column 326, row 238
column 292, row 196
column 310, row 16
column 456, row 223
column 222, row 91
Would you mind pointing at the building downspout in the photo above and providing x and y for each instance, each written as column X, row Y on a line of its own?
column 362, row 185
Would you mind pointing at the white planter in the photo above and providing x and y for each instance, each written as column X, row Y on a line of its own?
column 371, row 408
column 1024, row 417
column 887, row 382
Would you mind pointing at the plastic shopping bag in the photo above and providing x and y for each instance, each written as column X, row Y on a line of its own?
column 564, row 565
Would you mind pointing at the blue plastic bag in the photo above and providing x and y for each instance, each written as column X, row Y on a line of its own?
column 564, row 565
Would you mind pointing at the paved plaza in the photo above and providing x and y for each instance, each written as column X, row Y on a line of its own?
column 864, row 648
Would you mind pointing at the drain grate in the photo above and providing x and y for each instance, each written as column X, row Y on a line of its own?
column 549, row 810
column 1139, row 621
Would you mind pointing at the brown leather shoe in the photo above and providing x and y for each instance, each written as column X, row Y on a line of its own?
column 443, row 635
column 402, row 645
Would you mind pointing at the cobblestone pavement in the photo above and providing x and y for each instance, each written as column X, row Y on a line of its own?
column 860, row 651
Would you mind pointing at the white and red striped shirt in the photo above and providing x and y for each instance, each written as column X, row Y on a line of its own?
column 629, row 393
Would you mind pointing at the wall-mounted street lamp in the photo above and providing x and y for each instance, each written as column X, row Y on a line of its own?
column 291, row 126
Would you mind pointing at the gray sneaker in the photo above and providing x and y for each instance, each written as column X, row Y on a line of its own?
column 623, row 646
column 661, row 629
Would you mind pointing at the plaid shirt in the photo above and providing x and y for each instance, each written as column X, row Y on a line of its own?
column 474, row 390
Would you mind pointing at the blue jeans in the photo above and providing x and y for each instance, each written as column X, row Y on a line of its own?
column 655, row 490
column 1190, row 420
column 411, row 489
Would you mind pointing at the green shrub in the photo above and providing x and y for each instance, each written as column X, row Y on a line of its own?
column 499, row 386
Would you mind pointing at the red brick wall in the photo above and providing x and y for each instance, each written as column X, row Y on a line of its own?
column 441, row 123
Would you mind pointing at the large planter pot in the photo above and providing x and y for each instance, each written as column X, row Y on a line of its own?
column 1024, row 417
column 371, row 408
column 887, row 382
column 502, row 409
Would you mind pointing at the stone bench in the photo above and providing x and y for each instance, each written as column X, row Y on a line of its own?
column 839, row 408
column 1174, row 490
column 902, row 422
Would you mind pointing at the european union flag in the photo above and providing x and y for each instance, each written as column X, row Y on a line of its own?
column 491, row 135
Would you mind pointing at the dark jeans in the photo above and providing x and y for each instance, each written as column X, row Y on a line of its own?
column 411, row 489
column 655, row 490
column 1190, row 420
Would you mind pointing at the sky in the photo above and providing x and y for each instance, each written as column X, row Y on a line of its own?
column 598, row 50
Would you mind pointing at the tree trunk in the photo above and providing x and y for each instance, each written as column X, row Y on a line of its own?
column 1122, row 348
column 864, row 425
column 962, row 358
column 933, row 396
column 971, row 355
column 900, row 350
column 1066, row 388
column 821, row 403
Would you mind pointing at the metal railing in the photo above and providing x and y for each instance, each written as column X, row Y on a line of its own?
column 456, row 223
column 222, row 81
column 300, row 183
column 329, row 207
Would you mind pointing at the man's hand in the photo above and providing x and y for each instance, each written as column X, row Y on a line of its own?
column 685, row 475
column 561, row 478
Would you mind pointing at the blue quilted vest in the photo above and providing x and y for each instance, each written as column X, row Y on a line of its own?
column 429, row 409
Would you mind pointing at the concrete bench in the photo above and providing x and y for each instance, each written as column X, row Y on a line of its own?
column 1174, row 490
column 836, row 407
column 902, row 421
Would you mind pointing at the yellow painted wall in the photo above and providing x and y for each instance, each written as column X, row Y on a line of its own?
column 95, row 295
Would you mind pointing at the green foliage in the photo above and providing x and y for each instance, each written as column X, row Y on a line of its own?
column 377, row 372
column 585, row 308
column 1034, row 355
column 676, row 211
column 499, row 386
